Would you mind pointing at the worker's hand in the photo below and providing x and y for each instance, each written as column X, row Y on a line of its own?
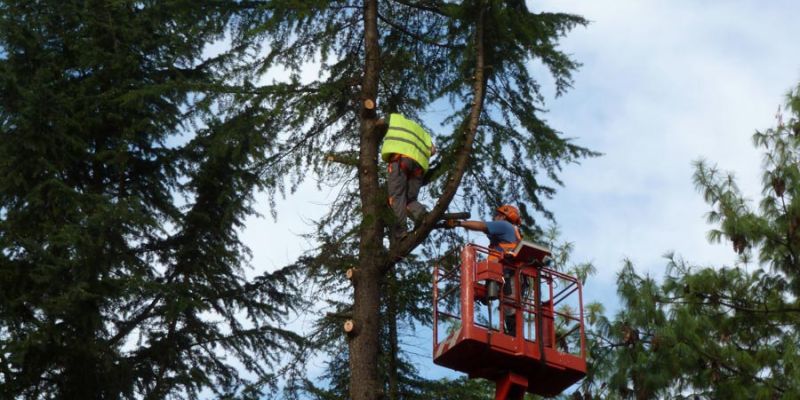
column 433, row 150
column 452, row 223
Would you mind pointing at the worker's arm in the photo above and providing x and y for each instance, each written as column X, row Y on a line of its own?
column 474, row 226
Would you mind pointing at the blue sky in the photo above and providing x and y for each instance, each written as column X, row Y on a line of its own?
column 663, row 83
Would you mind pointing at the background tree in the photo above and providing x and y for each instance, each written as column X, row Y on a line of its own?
column 405, row 55
column 123, row 180
column 725, row 332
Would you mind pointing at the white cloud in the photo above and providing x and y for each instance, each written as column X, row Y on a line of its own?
column 277, row 242
column 663, row 84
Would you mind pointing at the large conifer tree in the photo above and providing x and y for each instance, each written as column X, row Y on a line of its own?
column 120, row 197
column 404, row 55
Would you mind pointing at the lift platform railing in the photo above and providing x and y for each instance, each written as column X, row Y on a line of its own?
column 447, row 292
column 509, row 319
column 561, row 305
column 561, row 302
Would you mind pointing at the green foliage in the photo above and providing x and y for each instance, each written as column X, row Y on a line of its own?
column 428, row 53
column 460, row 388
column 515, row 147
column 725, row 332
column 128, row 160
column 123, row 180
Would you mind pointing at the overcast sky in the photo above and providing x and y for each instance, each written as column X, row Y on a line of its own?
column 663, row 83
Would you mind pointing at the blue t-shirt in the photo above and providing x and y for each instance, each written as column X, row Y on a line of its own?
column 500, row 232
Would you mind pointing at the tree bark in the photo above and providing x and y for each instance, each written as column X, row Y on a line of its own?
column 394, row 348
column 365, row 383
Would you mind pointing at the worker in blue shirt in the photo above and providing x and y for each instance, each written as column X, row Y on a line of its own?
column 502, row 230
column 503, row 234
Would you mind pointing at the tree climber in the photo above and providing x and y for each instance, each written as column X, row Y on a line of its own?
column 503, row 234
column 407, row 147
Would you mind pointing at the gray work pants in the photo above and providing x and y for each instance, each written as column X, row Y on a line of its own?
column 510, row 294
column 405, row 180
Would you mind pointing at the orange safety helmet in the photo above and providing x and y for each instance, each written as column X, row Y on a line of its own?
column 511, row 213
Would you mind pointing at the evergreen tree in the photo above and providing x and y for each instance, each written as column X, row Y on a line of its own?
column 124, row 178
column 723, row 332
column 405, row 55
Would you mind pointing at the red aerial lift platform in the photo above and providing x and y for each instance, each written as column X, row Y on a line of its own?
column 509, row 319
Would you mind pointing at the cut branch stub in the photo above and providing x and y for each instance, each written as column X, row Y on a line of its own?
column 368, row 110
column 351, row 274
column 350, row 327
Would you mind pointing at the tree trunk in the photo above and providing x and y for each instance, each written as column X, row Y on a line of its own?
column 81, row 377
column 391, row 319
column 364, row 380
column 365, row 384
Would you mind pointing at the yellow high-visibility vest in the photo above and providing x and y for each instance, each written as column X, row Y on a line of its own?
column 407, row 138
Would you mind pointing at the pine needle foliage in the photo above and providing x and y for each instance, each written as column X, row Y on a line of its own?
column 475, row 57
column 124, row 180
column 716, row 332
column 427, row 54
